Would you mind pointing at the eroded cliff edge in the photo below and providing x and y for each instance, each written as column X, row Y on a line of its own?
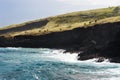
column 101, row 40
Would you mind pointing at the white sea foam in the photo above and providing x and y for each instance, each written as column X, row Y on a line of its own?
column 72, row 57
column 61, row 56
column 113, row 78
column 96, row 59
column 13, row 48
column 36, row 77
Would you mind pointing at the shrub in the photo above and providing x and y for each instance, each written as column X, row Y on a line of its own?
column 85, row 24
column 116, row 10
column 39, row 30
column 95, row 21
column 90, row 22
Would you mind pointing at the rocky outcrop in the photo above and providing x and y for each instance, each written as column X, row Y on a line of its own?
column 101, row 40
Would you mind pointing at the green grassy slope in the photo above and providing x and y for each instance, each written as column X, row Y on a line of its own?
column 63, row 22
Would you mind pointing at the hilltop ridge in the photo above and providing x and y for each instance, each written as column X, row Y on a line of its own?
column 63, row 22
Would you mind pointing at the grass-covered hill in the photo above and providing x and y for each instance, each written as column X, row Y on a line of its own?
column 95, row 33
column 63, row 22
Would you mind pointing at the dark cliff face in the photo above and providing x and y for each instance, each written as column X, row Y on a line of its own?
column 98, row 41
column 112, row 50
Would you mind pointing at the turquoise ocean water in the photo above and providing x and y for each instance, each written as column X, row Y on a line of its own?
column 51, row 64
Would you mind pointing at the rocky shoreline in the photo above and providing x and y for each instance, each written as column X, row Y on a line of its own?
column 98, row 41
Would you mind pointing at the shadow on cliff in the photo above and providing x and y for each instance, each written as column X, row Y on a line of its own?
column 27, row 26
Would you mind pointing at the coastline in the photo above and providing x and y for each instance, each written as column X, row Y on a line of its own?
column 96, row 41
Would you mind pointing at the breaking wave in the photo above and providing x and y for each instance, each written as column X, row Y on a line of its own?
column 52, row 64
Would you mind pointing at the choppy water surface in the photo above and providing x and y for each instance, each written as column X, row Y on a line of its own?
column 50, row 64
